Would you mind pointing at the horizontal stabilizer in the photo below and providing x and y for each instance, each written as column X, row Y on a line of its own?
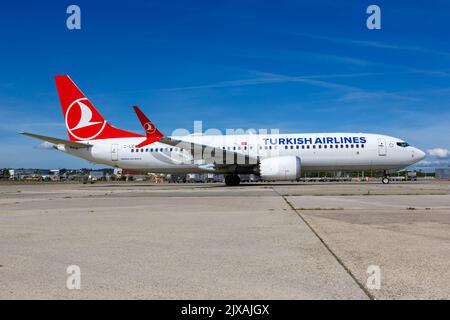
column 57, row 140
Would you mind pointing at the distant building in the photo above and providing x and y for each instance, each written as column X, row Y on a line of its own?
column 21, row 174
column 442, row 173
column 134, row 175
column 96, row 176
column 54, row 175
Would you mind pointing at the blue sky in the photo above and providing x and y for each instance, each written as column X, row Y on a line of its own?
column 298, row 66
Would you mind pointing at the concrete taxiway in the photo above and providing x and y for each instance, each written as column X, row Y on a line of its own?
column 208, row 241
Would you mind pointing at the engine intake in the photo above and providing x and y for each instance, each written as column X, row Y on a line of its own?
column 280, row 168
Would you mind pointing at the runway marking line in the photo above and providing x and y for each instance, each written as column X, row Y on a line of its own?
column 363, row 288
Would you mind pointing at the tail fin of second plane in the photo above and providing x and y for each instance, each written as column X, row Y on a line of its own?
column 83, row 121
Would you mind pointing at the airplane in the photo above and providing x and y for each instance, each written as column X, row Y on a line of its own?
column 273, row 157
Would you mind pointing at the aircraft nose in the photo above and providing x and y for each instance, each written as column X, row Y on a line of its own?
column 420, row 154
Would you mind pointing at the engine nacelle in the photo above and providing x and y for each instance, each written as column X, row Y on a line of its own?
column 280, row 168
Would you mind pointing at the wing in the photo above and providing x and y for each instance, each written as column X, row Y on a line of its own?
column 203, row 154
column 76, row 145
column 212, row 155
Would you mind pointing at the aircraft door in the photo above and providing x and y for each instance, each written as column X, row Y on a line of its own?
column 382, row 147
column 114, row 152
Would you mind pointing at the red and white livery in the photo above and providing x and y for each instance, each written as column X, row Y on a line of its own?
column 271, row 156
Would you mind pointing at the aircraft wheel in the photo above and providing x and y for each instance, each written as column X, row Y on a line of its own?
column 232, row 180
column 385, row 180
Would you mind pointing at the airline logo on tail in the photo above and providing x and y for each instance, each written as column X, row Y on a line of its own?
column 83, row 121
column 149, row 128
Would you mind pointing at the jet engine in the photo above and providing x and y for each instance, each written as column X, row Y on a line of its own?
column 280, row 168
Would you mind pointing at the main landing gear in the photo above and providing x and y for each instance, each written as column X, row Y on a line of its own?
column 385, row 179
column 232, row 180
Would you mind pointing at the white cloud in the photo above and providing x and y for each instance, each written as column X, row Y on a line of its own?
column 439, row 152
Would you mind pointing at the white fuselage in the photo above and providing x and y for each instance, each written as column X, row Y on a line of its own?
column 318, row 152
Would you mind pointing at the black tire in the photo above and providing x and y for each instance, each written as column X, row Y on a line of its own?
column 232, row 180
column 385, row 180
column 228, row 180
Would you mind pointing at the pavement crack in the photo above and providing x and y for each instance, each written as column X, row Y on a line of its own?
column 347, row 269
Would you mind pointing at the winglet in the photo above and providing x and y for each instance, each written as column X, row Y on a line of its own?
column 152, row 133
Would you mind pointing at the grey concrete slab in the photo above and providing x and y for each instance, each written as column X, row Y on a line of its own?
column 407, row 236
column 405, row 202
column 140, row 240
column 162, row 241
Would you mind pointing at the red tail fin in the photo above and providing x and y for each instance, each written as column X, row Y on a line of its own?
column 153, row 134
column 83, row 121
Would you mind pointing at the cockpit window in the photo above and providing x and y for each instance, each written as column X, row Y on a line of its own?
column 403, row 144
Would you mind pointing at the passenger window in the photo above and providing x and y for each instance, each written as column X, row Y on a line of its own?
column 146, row 150
column 325, row 146
column 351, row 146
column 362, row 146
column 342, row 146
column 314, row 146
column 151, row 149
column 320, row 146
column 307, row 147
column 297, row 147
column 346, row 146
column 303, row 147
column 132, row 150
column 357, row 145
column 285, row 147
column 331, row 146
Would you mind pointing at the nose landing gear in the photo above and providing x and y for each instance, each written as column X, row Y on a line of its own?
column 232, row 180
